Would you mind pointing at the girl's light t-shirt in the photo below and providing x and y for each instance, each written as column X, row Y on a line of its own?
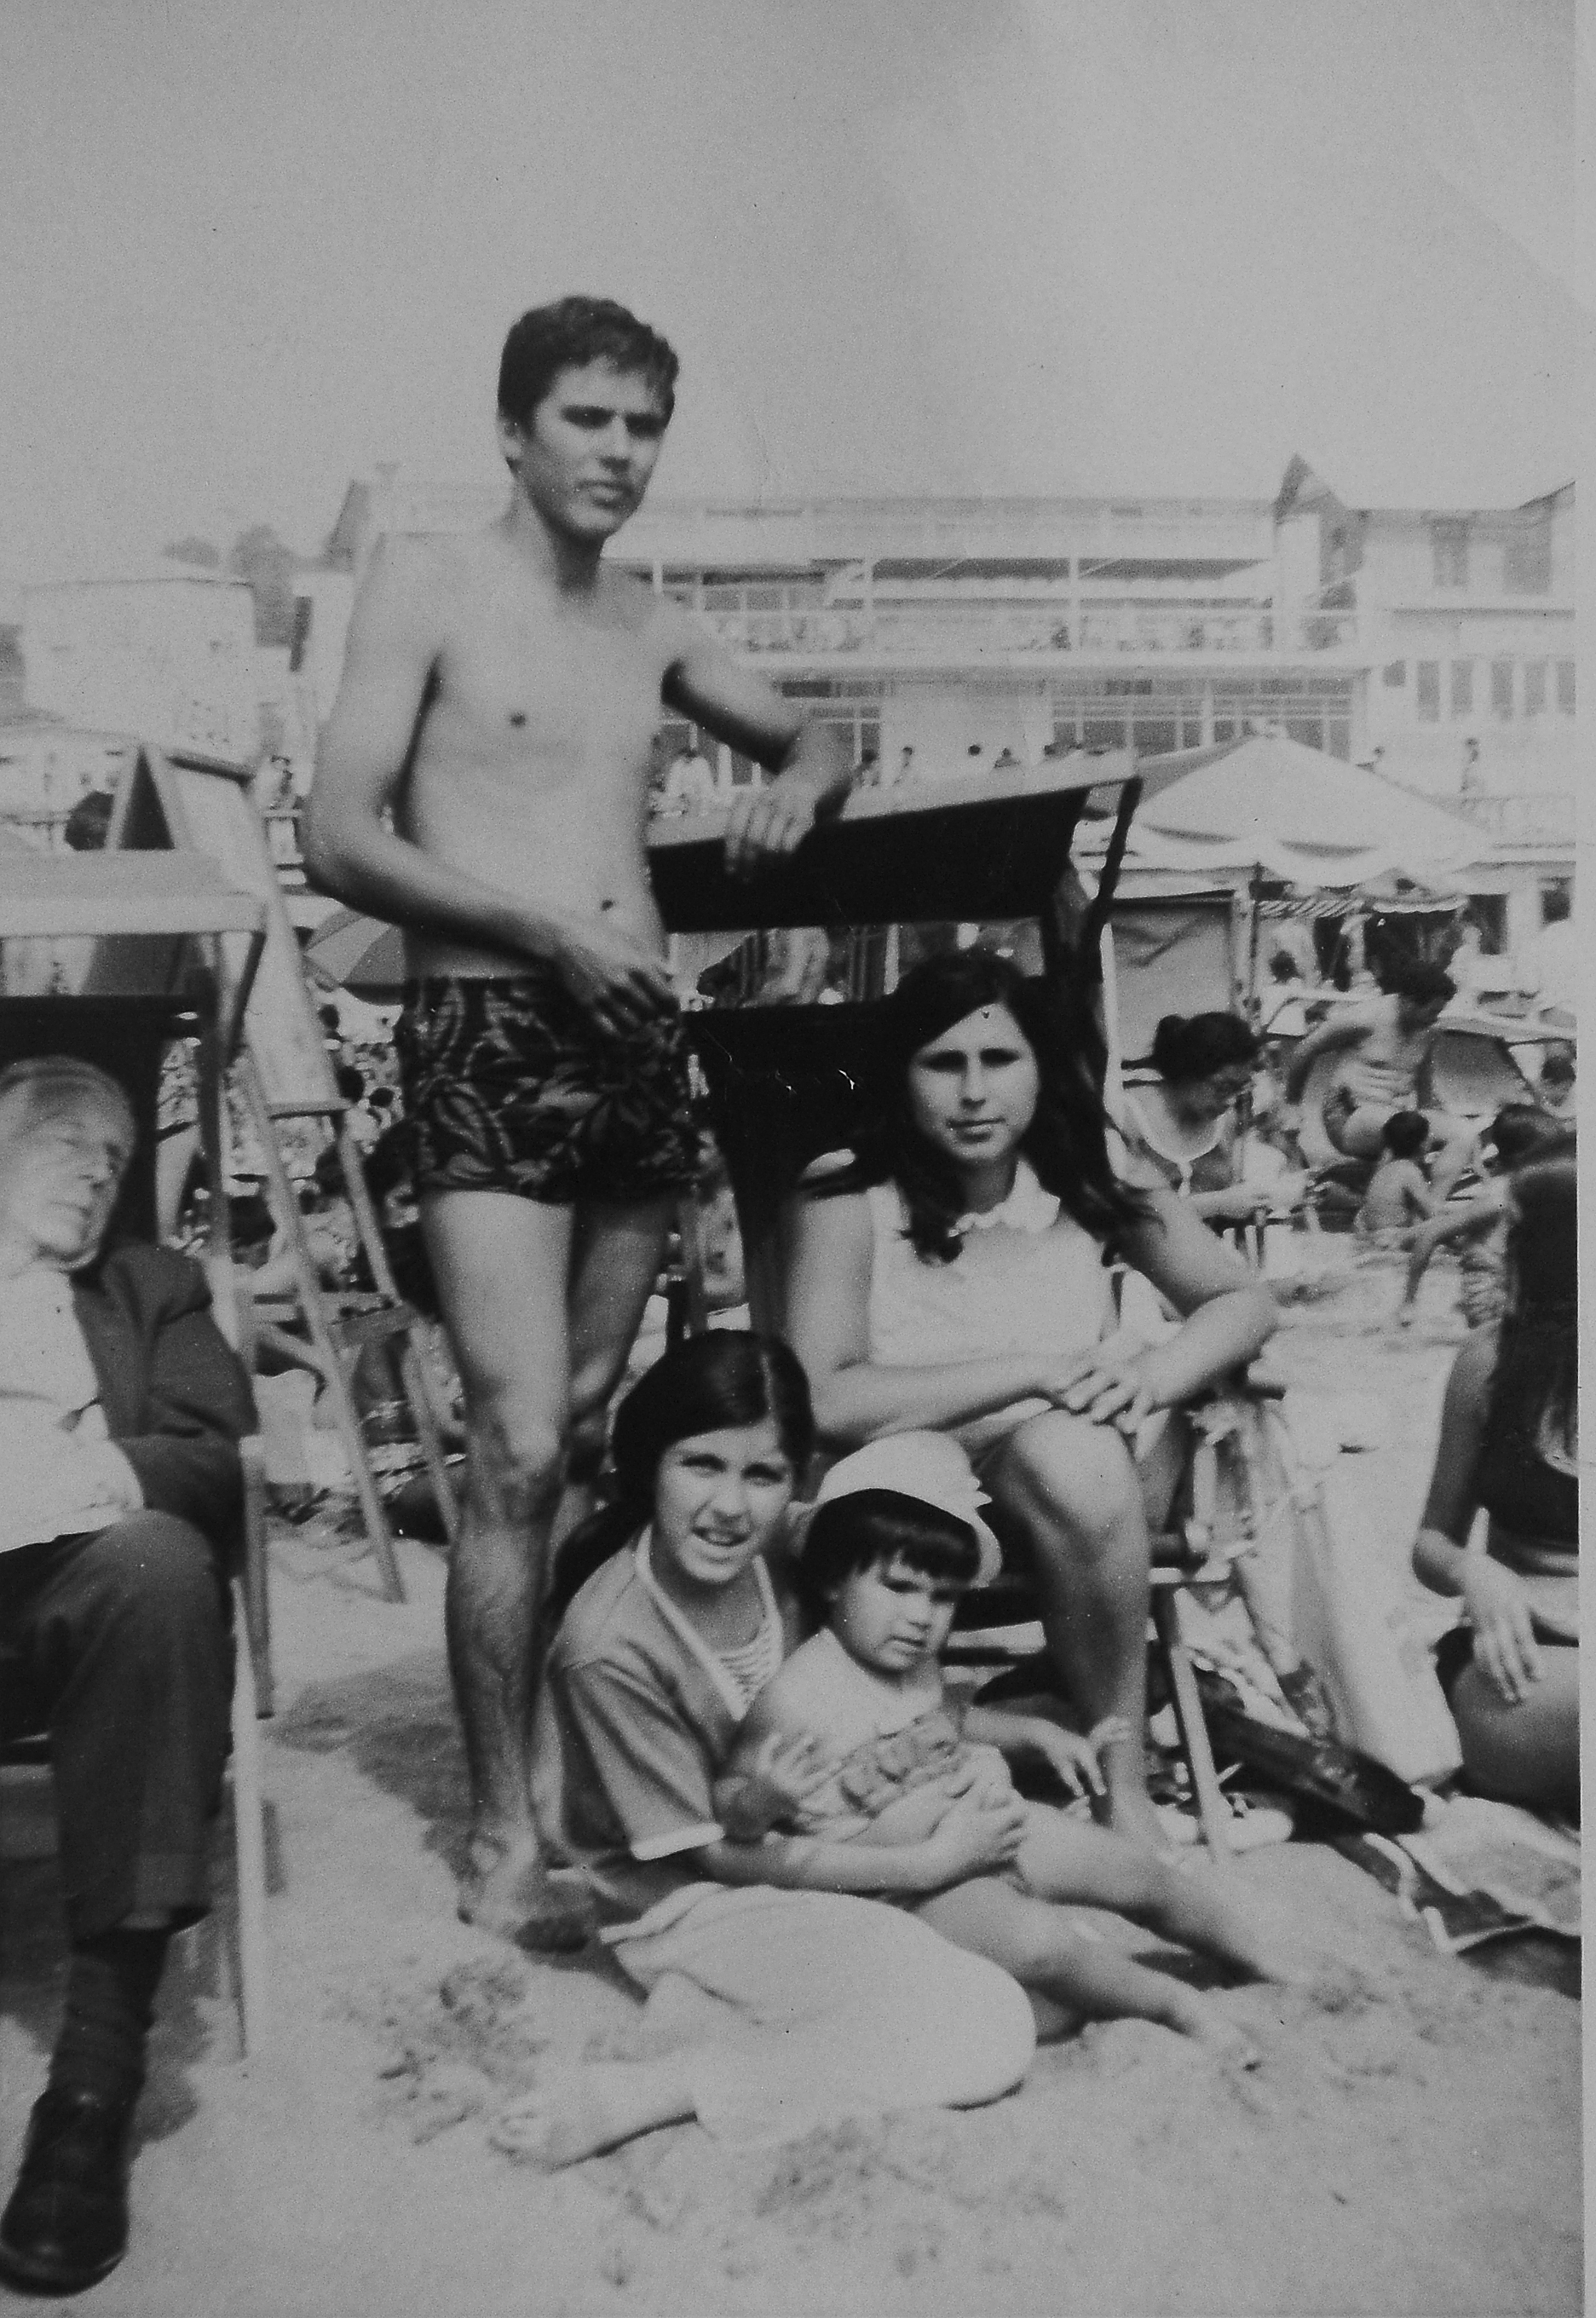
column 632, row 1721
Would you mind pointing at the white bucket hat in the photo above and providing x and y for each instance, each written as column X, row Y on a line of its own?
column 929, row 1468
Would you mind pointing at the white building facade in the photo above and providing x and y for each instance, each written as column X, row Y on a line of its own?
column 1465, row 623
column 959, row 629
column 172, row 660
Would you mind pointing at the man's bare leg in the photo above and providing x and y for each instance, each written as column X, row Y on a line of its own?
column 616, row 1264
column 502, row 1265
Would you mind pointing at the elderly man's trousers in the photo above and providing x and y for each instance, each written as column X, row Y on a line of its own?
column 118, row 1644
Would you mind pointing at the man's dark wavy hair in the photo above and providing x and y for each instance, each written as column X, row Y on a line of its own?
column 1066, row 1141
column 566, row 335
column 1534, row 1384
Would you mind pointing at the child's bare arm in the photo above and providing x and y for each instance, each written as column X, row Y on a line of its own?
column 1072, row 1759
column 1421, row 1199
column 977, row 1836
column 776, row 1764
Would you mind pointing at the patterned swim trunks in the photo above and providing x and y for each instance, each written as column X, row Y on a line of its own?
column 510, row 1086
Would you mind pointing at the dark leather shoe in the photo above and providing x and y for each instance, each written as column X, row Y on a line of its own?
column 67, row 2225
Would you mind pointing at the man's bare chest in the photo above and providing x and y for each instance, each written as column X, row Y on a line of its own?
column 549, row 688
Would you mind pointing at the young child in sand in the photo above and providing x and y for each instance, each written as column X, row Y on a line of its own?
column 854, row 1737
column 1398, row 1196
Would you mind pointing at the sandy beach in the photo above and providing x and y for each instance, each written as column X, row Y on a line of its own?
column 1416, row 2150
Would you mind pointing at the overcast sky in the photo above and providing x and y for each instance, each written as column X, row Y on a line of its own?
column 1145, row 246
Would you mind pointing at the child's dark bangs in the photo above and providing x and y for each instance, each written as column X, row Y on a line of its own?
column 879, row 1526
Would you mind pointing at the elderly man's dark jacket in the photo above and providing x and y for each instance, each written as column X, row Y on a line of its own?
column 176, row 1396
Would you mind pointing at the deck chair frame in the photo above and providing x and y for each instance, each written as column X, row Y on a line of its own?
column 965, row 852
column 168, row 947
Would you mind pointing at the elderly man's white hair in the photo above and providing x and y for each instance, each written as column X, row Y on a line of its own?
column 44, row 1080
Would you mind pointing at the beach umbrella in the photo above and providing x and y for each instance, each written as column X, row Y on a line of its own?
column 1268, row 804
column 352, row 952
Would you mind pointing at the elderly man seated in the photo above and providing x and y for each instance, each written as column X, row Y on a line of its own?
column 122, row 1408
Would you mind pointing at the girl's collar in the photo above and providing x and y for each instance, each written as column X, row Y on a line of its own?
column 1027, row 1209
column 688, row 1634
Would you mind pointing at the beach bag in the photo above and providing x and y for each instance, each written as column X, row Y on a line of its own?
column 1350, row 1788
column 1349, row 1621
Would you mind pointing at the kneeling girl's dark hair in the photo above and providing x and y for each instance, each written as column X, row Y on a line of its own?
column 876, row 1526
column 712, row 1383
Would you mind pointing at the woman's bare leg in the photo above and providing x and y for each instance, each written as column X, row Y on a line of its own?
column 1035, row 1941
column 1074, row 1488
column 1528, row 1753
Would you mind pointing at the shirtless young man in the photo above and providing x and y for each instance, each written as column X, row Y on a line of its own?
column 1388, row 1045
column 500, row 694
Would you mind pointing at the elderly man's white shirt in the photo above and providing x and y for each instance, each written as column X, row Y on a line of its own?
column 61, row 1473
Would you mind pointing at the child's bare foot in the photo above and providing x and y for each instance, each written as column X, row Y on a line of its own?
column 582, row 2111
column 1206, row 2024
column 1331, row 1981
column 505, row 1889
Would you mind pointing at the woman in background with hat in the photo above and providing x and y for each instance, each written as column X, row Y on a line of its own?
column 952, row 1274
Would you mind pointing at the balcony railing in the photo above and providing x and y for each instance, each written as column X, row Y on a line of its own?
column 1096, row 630
column 1535, row 817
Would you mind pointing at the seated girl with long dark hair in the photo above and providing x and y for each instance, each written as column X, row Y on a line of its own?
column 1510, row 1444
column 806, row 2000
column 951, row 1276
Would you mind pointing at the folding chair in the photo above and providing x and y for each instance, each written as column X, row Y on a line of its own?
column 133, row 959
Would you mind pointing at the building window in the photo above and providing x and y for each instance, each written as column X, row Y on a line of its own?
column 1427, row 676
column 1502, row 687
column 1395, row 675
column 1527, row 561
column 1341, row 739
column 1449, row 547
column 1565, row 705
column 1462, row 687
column 1099, row 733
column 1155, row 739
column 1535, row 687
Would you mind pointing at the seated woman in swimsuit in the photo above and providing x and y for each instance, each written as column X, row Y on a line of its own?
column 951, row 1276
column 1182, row 1126
column 1510, row 1443
column 1387, row 1064
column 794, row 2000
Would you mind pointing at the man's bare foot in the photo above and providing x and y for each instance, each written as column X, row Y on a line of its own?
column 582, row 2111
column 504, row 1888
column 1206, row 2024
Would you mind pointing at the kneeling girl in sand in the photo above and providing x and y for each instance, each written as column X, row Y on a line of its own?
column 789, row 1996
column 894, row 1541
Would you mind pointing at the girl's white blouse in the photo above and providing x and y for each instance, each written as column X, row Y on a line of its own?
column 1028, row 1279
